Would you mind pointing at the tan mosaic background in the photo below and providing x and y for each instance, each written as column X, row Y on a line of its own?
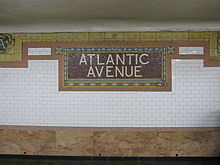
column 15, row 54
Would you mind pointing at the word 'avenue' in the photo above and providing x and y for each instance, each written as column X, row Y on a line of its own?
column 113, row 65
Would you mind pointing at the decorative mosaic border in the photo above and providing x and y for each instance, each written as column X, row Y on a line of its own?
column 13, row 55
column 171, row 48
column 69, row 50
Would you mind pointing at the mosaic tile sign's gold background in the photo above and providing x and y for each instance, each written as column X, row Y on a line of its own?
column 90, row 142
column 16, row 53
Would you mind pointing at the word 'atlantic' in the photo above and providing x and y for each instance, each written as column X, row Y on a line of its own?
column 114, row 65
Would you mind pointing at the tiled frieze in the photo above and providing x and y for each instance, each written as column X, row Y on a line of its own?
column 132, row 36
column 96, row 37
column 114, row 36
column 34, row 37
column 196, row 36
column 164, row 36
column 218, row 42
column 80, row 37
column 16, row 54
column 148, row 36
column 180, row 36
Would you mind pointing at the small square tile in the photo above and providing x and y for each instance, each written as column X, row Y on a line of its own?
column 132, row 36
column 213, row 43
column 180, row 36
column 213, row 52
column 80, row 36
column 18, row 44
column 65, row 36
column 20, row 36
column 207, row 36
column 148, row 36
column 164, row 36
column 49, row 37
column 11, row 51
column 196, row 36
column 218, row 42
column 65, row 39
column 34, row 36
column 96, row 36
column 114, row 35
column 80, row 40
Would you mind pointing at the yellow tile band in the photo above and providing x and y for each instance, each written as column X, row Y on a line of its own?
column 15, row 54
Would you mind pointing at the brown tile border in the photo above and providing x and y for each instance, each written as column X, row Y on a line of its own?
column 22, row 64
column 209, row 63
column 109, row 129
column 17, row 64
column 53, row 45
column 26, row 45
column 193, row 43
column 176, row 44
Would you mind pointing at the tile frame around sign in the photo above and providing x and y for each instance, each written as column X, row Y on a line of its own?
column 168, row 87
column 62, row 86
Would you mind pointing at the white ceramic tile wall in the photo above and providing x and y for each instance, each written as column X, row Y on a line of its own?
column 30, row 96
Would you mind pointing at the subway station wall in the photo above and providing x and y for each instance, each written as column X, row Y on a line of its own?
column 29, row 97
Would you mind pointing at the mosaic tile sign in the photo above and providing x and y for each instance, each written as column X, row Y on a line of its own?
column 115, row 67
column 110, row 61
